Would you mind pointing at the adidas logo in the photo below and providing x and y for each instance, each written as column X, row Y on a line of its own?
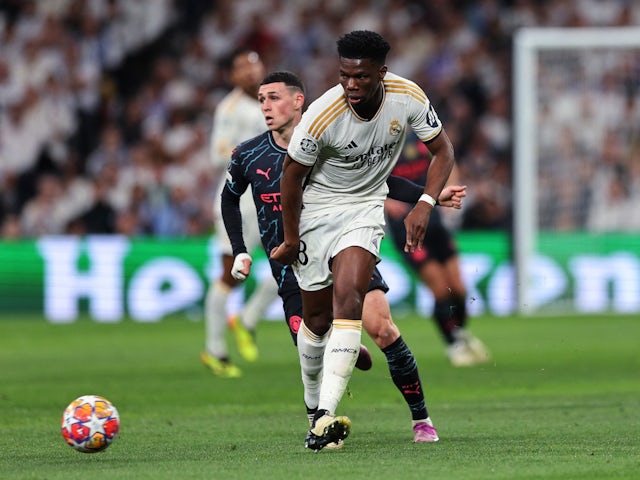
column 351, row 145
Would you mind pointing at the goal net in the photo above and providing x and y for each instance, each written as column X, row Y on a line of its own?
column 577, row 170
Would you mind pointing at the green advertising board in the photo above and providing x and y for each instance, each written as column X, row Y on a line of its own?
column 113, row 277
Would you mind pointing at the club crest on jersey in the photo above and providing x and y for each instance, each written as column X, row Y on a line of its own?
column 395, row 128
column 308, row 145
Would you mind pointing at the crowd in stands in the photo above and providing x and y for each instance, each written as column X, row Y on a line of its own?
column 589, row 140
column 106, row 105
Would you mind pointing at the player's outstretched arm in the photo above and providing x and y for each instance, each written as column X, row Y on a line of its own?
column 405, row 190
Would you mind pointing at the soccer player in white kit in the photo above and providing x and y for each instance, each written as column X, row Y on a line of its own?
column 238, row 117
column 333, row 189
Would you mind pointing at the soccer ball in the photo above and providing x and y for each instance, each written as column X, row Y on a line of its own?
column 90, row 423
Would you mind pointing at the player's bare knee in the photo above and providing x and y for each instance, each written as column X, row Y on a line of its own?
column 348, row 305
column 382, row 333
column 388, row 334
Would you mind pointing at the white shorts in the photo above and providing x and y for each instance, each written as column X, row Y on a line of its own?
column 324, row 236
column 250, row 231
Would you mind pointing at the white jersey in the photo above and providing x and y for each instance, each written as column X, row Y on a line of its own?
column 352, row 157
column 238, row 118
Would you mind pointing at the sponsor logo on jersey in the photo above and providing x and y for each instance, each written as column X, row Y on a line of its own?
column 259, row 171
column 374, row 156
column 272, row 199
column 395, row 128
column 352, row 145
column 308, row 145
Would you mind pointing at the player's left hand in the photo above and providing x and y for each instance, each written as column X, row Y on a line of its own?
column 241, row 266
column 415, row 224
column 452, row 196
column 285, row 253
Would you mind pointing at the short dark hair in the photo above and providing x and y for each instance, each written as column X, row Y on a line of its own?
column 226, row 62
column 290, row 79
column 364, row 44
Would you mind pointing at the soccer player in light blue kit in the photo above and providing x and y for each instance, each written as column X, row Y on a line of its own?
column 333, row 189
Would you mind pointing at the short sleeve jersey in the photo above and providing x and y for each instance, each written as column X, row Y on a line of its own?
column 352, row 157
column 238, row 117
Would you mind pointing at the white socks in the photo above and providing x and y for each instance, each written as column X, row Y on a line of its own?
column 258, row 302
column 424, row 420
column 311, row 351
column 340, row 357
column 216, row 319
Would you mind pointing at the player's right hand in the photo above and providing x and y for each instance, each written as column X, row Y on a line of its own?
column 241, row 266
column 285, row 253
column 415, row 223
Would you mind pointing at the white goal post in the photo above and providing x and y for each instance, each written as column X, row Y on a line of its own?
column 533, row 90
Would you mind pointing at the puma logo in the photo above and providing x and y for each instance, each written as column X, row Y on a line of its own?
column 413, row 388
column 262, row 172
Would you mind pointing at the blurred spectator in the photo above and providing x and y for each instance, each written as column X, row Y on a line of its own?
column 45, row 214
column 83, row 80
column 128, row 223
column 24, row 132
column 174, row 217
column 111, row 149
column 261, row 38
column 10, row 227
column 610, row 212
column 488, row 208
column 100, row 218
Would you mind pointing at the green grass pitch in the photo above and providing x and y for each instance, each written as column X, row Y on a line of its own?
column 560, row 400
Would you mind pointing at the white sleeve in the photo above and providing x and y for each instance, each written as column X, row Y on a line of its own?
column 424, row 120
column 422, row 116
column 303, row 148
column 237, row 119
column 221, row 133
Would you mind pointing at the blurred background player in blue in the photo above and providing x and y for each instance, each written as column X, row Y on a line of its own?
column 437, row 264
column 237, row 118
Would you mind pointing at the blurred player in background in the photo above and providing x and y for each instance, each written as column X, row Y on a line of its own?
column 258, row 164
column 339, row 159
column 237, row 118
column 437, row 264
